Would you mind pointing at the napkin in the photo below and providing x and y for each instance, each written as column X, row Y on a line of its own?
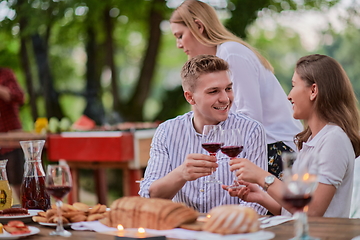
column 275, row 220
column 92, row 226
column 178, row 233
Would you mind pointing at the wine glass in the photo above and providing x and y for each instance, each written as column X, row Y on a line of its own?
column 232, row 147
column 211, row 142
column 58, row 183
column 300, row 184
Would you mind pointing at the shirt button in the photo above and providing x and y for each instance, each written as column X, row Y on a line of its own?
column 201, row 190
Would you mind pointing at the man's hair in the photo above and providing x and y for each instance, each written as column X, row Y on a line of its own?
column 199, row 65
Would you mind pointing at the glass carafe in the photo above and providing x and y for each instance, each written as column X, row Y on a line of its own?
column 33, row 193
column 6, row 199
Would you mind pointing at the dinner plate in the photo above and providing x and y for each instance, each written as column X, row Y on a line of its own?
column 54, row 224
column 23, row 218
column 260, row 235
column 6, row 235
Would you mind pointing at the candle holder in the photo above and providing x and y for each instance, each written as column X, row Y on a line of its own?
column 128, row 234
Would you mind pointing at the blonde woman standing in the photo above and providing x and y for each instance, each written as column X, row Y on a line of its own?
column 258, row 94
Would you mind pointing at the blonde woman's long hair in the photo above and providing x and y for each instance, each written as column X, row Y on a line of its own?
column 214, row 31
column 336, row 101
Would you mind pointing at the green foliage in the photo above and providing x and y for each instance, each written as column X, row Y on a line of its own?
column 68, row 22
column 73, row 106
column 167, row 90
column 283, row 49
column 344, row 49
column 244, row 12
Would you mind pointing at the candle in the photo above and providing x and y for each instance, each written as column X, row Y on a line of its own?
column 141, row 232
column 204, row 218
column 130, row 234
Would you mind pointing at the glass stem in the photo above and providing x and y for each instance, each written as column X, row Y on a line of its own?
column 59, row 226
column 301, row 225
column 212, row 169
column 234, row 174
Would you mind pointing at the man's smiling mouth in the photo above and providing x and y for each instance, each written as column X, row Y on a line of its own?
column 222, row 108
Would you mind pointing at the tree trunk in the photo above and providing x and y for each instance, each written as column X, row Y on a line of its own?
column 51, row 98
column 25, row 64
column 94, row 107
column 134, row 110
column 109, row 57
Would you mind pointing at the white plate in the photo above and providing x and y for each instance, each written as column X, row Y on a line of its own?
column 53, row 224
column 260, row 235
column 6, row 235
column 23, row 218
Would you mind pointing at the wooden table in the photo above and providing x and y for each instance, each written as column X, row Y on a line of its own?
column 12, row 139
column 324, row 228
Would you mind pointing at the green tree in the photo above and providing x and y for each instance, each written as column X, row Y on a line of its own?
column 75, row 43
column 244, row 12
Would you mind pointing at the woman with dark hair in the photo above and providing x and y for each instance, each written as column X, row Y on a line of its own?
column 258, row 94
column 322, row 95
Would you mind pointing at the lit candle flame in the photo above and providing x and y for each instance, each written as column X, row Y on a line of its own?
column 208, row 216
column 120, row 227
column 306, row 176
column 141, row 230
column 306, row 208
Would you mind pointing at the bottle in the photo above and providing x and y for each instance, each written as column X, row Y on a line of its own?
column 6, row 199
column 33, row 193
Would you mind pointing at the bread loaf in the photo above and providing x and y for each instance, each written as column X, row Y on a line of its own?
column 232, row 219
column 153, row 213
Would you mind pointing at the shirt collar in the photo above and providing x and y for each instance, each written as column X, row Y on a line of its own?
column 193, row 128
column 311, row 142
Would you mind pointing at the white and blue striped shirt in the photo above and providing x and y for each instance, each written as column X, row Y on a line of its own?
column 176, row 138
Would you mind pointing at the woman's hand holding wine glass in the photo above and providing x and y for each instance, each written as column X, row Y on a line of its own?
column 58, row 183
column 232, row 147
column 211, row 141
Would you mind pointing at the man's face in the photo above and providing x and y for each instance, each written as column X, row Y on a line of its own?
column 211, row 98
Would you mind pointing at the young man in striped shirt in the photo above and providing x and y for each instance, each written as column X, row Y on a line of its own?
column 178, row 166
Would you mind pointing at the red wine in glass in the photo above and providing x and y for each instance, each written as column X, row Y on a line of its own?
column 298, row 201
column 233, row 146
column 211, row 141
column 58, row 183
column 58, row 192
column 231, row 151
column 212, row 148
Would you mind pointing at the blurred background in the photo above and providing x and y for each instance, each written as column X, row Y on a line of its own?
column 117, row 61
